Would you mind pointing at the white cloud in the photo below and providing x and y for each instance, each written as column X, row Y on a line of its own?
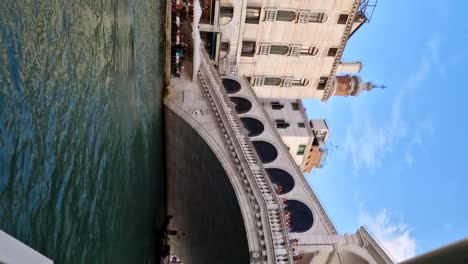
column 409, row 158
column 395, row 238
column 423, row 128
column 367, row 140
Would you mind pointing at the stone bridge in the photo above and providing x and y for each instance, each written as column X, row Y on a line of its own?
column 223, row 155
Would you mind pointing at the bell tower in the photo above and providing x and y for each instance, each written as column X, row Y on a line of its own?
column 351, row 85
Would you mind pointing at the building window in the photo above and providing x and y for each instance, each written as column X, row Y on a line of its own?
column 224, row 46
column 301, row 150
column 280, row 123
column 226, row 11
column 322, row 83
column 342, row 19
column 295, row 106
column 309, row 51
column 258, row 81
column 248, row 48
column 276, row 106
column 299, row 82
column 285, row 15
column 316, row 17
column 301, row 125
column 332, row 52
column 279, row 49
column 253, row 15
column 272, row 81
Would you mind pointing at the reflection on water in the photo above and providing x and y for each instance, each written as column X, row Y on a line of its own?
column 80, row 119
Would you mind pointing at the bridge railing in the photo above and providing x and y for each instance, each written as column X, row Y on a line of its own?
column 276, row 246
column 321, row 209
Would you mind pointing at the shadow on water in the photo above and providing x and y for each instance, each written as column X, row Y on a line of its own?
column 81, row 151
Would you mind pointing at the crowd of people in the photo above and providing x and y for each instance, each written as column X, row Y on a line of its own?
column 179, row 46
column 293, row 243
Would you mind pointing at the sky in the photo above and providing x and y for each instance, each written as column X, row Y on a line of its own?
column 397, row 162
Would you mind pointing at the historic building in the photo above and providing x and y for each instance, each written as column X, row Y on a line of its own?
column 259, row 59
column 304, row 138
column 285, row 49
column 288, row 50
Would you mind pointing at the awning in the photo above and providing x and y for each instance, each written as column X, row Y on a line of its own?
column 197, row 13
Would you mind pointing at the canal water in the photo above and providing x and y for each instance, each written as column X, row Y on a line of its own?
column 81, row 166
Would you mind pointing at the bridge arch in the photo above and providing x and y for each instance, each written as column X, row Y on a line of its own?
column 231, row 86
column 302, row 218
column 253, row 126
column 266, row 151
column 241, row 105
column 282, row 178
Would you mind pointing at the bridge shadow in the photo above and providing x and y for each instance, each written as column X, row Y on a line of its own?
column 201, row 198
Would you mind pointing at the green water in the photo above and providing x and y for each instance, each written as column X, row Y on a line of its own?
column 81, row 177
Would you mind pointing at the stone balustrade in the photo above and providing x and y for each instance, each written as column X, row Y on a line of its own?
column 272, row 237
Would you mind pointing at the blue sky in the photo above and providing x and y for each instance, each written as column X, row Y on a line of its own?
column 399, row 164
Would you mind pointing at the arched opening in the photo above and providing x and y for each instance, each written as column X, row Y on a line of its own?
column 309, row 51
column 272, row 81
column 224, row 49
column 279, row 49
column 317, row 17
column 252, row 126
column 241, row 105
column 301, row 216
column 266, row 151
column 281, row 178
column 225, row 14
column 198, row 159
column 285, row 15
column 231, row 86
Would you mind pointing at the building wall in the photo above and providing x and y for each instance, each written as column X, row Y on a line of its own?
column 300, row 192
column 322, row 36
column 293, row 136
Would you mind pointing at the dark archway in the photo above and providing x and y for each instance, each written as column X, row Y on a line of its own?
column 252, row 126
column 231, row 86
column 280, row 177
column 301, row 216
column 210, row 189
column 241, row 105
column 266, row 151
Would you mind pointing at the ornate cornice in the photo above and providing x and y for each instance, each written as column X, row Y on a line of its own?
column 373, row 247
column 344, row 40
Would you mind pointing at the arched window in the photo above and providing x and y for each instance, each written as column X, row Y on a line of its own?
column 272, row 81
column 309, row 51
column 300, row 82
column 231, row 86
column 223, row 49
column 224, row 46
column 241, row 105
column 317, row 17
column 252, row 126
column 226, row 11
column 285, row 15
column 281, row 178
column 266, row 151
column 301, row 216
column 279, row 49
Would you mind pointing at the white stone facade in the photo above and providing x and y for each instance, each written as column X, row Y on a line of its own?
column 293, row 49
